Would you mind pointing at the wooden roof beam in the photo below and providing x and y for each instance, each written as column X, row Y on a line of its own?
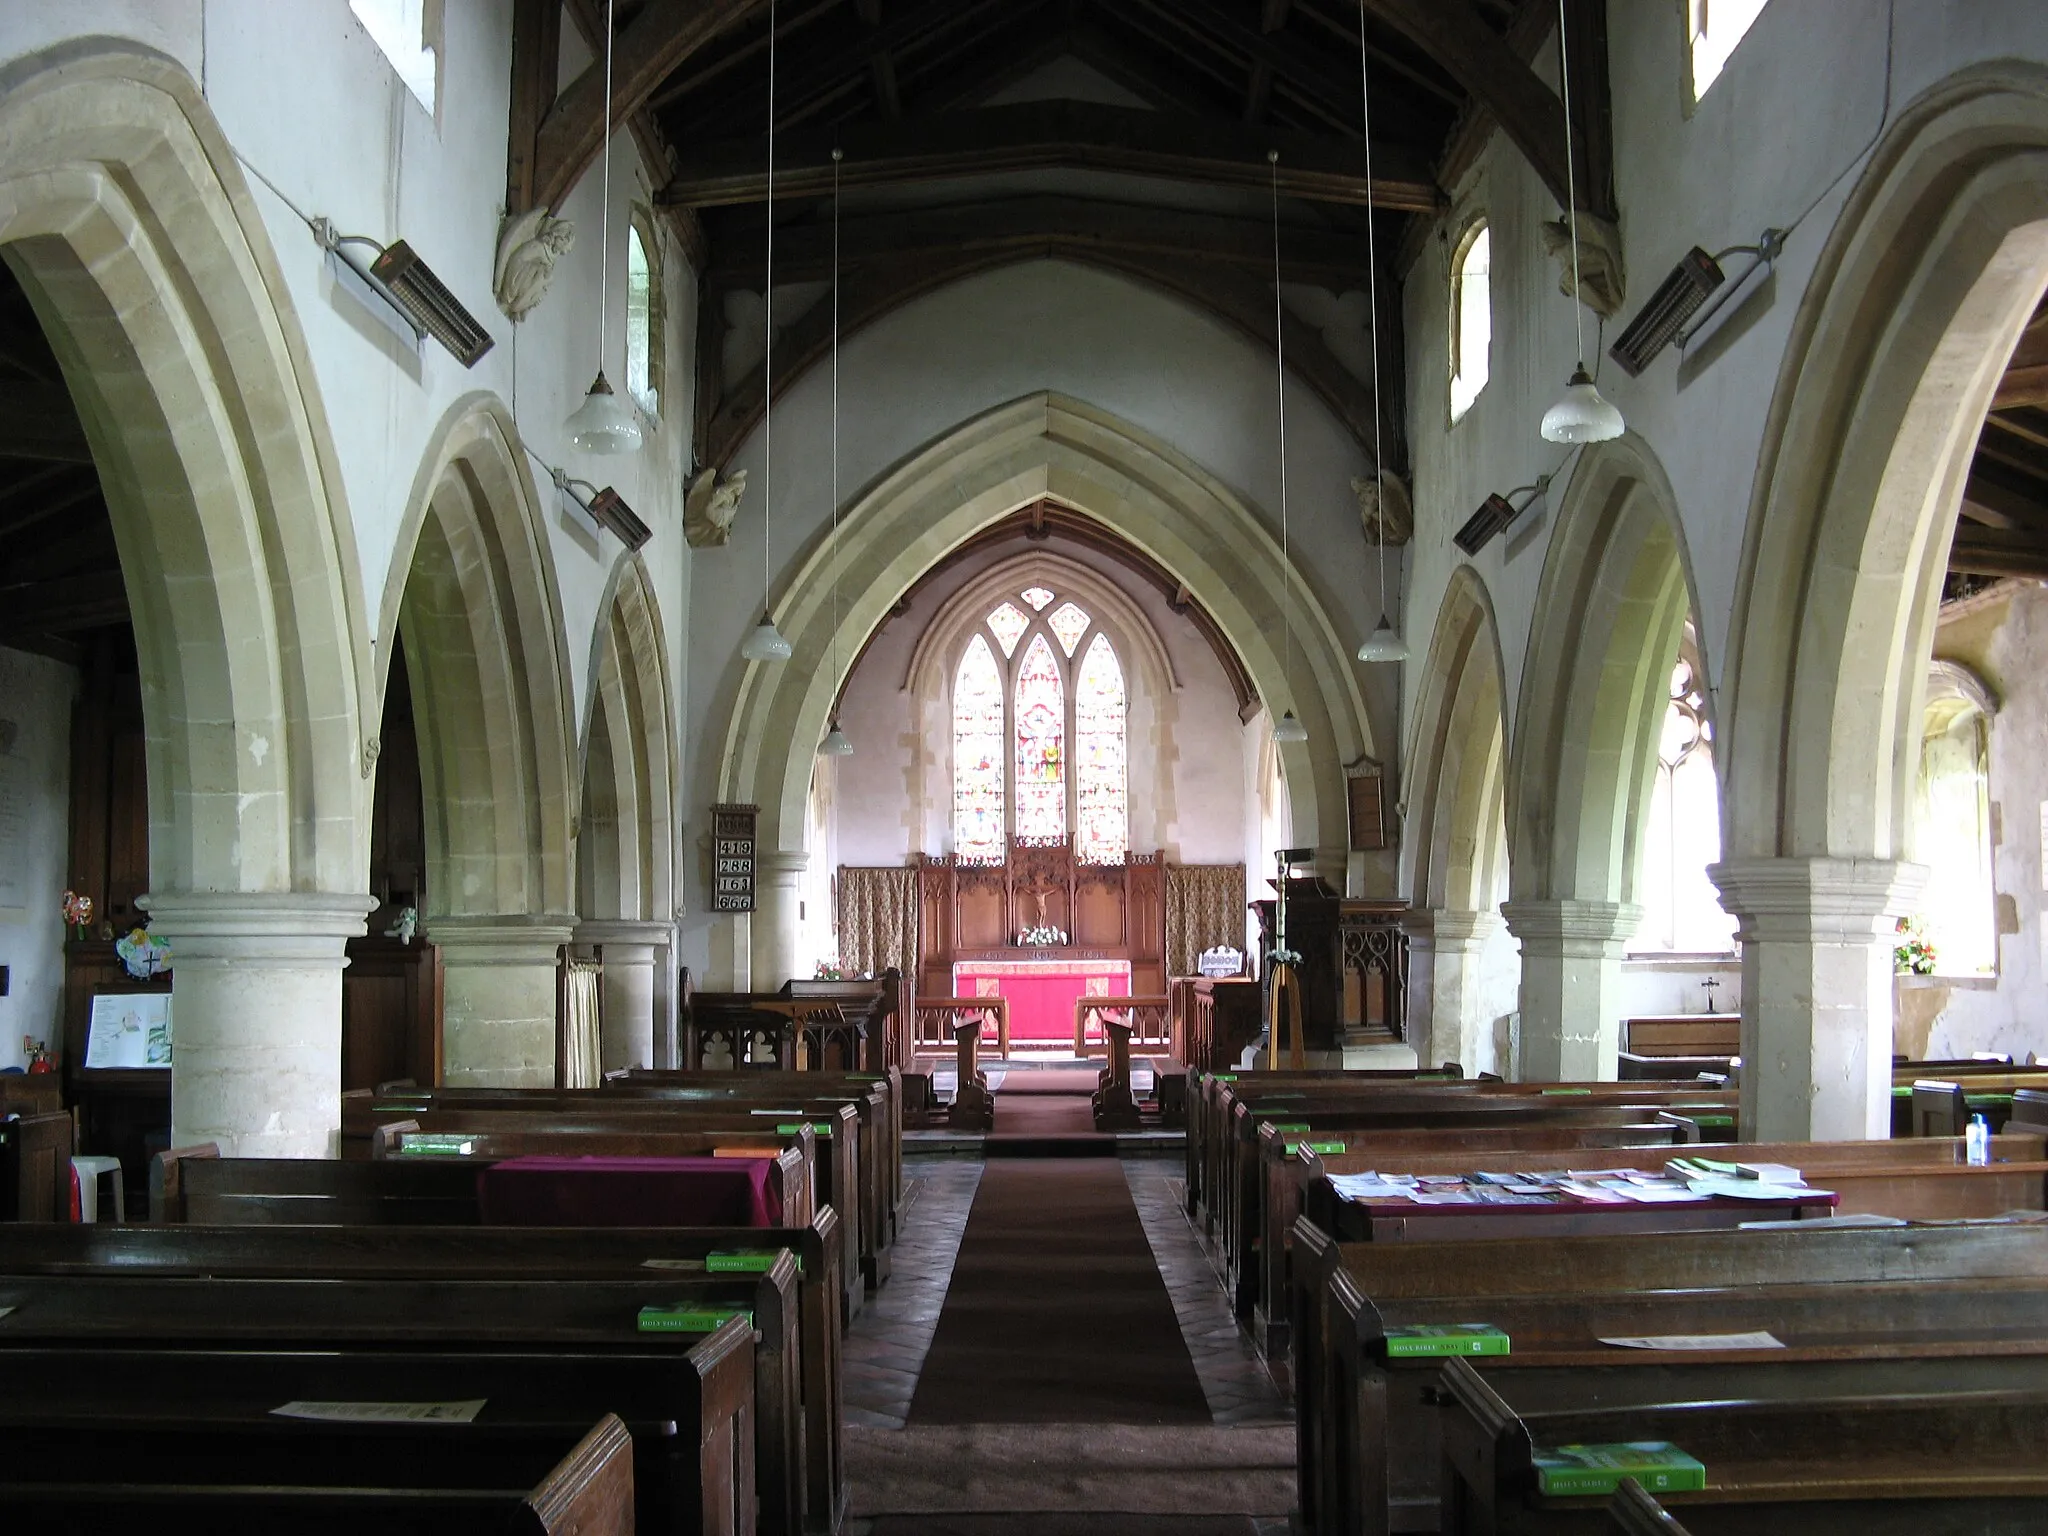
column 1067, row 135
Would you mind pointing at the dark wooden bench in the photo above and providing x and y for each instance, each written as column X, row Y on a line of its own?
column 1789, row 1446
column 444, row 1340
column 1368, row 1446
column 35, row 1165
column 533, row 1254
column 86, row 1457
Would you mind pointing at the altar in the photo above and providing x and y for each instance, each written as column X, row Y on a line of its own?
column 1041, row 986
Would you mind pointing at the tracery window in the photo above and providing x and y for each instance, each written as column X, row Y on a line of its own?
column 1471, row 318
column 1682, row 911
column 643, row 319
column 978, row 821
column 1951, row 836
column 1016, row 730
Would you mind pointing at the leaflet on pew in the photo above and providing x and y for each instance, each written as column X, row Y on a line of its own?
column 1681, row 1181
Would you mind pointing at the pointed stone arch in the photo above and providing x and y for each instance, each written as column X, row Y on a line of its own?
column 472, row 590
column 1452, row 849
column 625, row 844
column 1610, row 608
column 127, row 220
column 1939, row 256
column 1044, row 445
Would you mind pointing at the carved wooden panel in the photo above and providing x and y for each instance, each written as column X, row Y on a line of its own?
column 1099, row 907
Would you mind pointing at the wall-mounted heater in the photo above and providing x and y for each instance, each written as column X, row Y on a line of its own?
column 1494, row 515
column 408, row 286
column 1676, row 300
column 607, row 508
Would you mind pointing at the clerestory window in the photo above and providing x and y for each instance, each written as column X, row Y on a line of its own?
column 1471, row 318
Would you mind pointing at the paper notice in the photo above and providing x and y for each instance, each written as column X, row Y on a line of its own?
column 1758, row 1340
column 385, row 1413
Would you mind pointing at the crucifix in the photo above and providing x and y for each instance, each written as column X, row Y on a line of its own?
column 1038, row 896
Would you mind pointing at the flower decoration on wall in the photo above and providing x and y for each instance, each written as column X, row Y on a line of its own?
column 142, row 956
column 1913, row 955
column 77, row 912
column 1045, row 933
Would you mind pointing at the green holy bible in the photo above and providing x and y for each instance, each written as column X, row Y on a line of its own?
column 688, row 1319
column 746, row 1261
column 1445, row 1339
column 1320, row 1148
column 1570, row 1471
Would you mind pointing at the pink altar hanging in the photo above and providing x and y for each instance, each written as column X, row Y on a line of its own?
column 1041, row 993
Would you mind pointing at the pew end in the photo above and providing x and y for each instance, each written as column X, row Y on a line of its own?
column 167, row 1179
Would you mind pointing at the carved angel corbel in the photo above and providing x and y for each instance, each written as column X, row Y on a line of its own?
column 709, row 507
column 1602, row 278
column 529, row 245
column 1387, row 515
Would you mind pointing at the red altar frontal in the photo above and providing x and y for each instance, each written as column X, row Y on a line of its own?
column 1041, row 991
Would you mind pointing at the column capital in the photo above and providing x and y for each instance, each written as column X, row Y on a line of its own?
column 277, row 927
column 625, row 930
column 513, row 937
column 1456, row 925
column 1573, row 926
column 785, row 863
column 1816, row 900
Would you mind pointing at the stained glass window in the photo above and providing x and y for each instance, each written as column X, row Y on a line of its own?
column 1041, row 746
column 1070, row 624
column 1037, row 597
column 1101, row 826
column 978, row 755
column 1008, row 624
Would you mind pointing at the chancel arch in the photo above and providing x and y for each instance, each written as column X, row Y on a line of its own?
column 1044, row 446
column 1921, row 293
column 1582, row 766
column 128, row 224
column 1454, row 850
column 625, row 883
column 472, row 592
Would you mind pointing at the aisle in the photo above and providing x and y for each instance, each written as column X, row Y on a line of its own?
column 1057, row 1313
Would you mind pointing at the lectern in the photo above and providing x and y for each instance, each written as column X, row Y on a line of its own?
column 1312, row 932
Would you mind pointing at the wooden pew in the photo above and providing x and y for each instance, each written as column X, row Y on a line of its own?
column 532, row 1254
column 35, row 1165
column 1368, row 1449
column 575, row 1342
column 1823, row 1445
column 1632, row 1512
column 100, row 1460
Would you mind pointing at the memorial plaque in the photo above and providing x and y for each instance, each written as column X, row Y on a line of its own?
column 732, row 857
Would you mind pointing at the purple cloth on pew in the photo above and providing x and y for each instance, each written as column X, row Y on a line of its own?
column 629, row 1192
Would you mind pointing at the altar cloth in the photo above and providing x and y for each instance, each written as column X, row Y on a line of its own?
column 1041, row 993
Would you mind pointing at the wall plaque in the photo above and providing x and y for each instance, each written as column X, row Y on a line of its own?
column 732, row 857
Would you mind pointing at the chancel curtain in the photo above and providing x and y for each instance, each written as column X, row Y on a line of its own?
column 877, row 920
column 582, row 1025
column 1205, row 906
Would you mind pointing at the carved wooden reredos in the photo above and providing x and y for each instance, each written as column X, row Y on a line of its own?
column 969, row 910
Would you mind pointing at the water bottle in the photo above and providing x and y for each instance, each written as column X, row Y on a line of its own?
column 1977, row 1142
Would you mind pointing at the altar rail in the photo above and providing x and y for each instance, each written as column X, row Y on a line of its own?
column 1150, row 1020
column 938, row 1017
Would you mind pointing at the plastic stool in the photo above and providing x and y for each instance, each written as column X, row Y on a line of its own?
column 89, row 1171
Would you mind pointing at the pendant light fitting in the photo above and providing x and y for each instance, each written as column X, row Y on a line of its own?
column 1582, row 414
column 1288, row 729
column 604, row 423
column 1385, row 642
column 766, row 642
column 836, row 743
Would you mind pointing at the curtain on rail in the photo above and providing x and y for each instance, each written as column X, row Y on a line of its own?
column 582, row 1023
column 877, row 920
column 1204, row 908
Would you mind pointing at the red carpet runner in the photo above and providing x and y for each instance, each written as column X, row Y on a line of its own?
column 1057, row 1313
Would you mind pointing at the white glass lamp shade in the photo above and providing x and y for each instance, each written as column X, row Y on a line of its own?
column 765, row 643
column 1582, row 414
column 1290, row 729
column 604, row 423
column 1384, row 644
column 836, row 743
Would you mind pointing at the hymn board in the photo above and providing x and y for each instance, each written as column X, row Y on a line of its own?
column 732, row 857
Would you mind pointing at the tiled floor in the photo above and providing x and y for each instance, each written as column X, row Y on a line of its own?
column 886, row 1346
column 1234, row 1379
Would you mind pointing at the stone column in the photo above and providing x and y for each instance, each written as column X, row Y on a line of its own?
column 1817, row 938
column 778, row 894
column 1457, row 1032
column 256, row 1017
column 498, row 998
column 633, row 954
column 1571, row 985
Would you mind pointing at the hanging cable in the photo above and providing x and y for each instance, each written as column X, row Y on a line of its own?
column 1571, row 185
column 604, row 229
column 1372, row 292
column 768, row 339
column 1280, row 383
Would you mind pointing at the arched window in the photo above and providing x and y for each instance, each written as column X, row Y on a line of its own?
column 1061, row 699
column 1471, row 318
column 1713, row 28
column 1682, row 911
column 643, row 321
column 1958, row 913
column 978, row 754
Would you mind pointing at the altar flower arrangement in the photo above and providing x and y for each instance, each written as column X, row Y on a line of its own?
column 1913, row 954
column 829, row 970
column 77, row 912
column 1045, row 933
column 141, row 955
